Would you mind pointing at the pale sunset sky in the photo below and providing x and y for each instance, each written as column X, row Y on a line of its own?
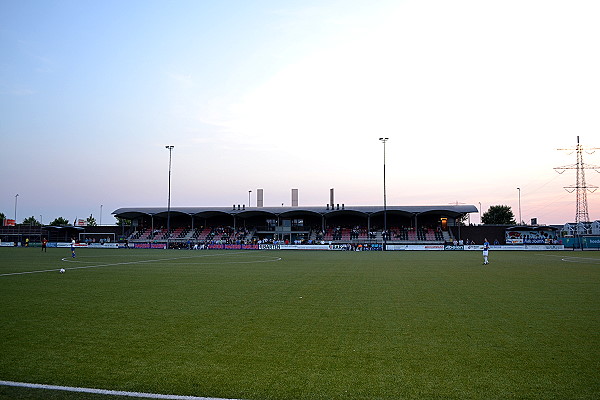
column 475, row 98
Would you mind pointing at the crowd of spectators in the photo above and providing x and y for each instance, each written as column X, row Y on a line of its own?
column 191, row 237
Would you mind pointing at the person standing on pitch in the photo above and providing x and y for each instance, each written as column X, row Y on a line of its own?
column 486, row 250
column 72, row 247
column 44, row 244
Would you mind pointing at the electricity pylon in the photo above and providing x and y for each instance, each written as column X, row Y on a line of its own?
column 581, row 212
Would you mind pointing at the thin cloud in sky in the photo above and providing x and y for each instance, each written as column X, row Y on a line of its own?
column 475, row 96
column 185, row 80
column 484, row 79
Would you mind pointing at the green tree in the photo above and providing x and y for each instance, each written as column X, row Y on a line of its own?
column 60, row 221
column 123, row 221
column 462, row 220
column 31, row 221
column 498, row 215
column 2, row 216
column 91, row 221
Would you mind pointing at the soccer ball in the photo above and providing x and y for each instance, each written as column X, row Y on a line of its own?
column 62, row 270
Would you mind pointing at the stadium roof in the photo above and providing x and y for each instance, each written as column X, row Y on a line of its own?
column 62, row 228
column 450, row 210
column 532, row 228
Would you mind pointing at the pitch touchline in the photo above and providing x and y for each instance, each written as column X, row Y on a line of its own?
column 106, row 392
column 163, row 259
column 69, row 259
column 139, row 262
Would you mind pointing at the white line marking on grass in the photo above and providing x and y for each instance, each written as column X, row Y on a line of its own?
column 580, row 260
column 30, row 272
column 106, row 392
column 70, row 260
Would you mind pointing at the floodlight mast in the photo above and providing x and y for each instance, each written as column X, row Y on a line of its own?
column 170, row 148
column 16, row 197
column 520, row 218
column 581, row 208
column 384, row 140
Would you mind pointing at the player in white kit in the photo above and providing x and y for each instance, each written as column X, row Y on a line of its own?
column 486, row 250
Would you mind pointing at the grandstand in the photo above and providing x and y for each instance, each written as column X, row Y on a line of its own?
column 306, row 225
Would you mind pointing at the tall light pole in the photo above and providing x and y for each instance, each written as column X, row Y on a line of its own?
column 383, row 140
column 170, row 148
column 249, row 191
column 100, row 215
column 480, row 213
column 16, row 197
column 520, row 219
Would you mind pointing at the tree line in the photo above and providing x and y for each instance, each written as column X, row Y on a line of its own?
column 60, row 221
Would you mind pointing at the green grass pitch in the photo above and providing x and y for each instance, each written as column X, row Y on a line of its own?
column 302, row 324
